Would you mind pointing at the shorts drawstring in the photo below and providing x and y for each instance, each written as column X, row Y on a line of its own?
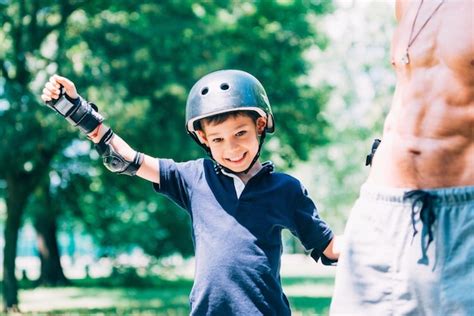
column 427, row 217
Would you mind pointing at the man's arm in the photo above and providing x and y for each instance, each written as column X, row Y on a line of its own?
column 117, row 155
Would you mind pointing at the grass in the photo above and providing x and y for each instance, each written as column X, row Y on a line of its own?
column 155, row 296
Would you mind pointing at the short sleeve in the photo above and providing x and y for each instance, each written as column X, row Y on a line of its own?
column 313, row 232
column 177, row 180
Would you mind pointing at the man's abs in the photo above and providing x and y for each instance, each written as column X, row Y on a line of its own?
column 406, row 161
column 426, row 146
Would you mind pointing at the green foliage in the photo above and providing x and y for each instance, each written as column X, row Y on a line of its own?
column 137, row 60
column 357, row 67
column 140, row 73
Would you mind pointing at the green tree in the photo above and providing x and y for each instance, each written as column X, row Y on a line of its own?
column 357, row 67
column 137, row 60
column 140, row 78
column 29, row 138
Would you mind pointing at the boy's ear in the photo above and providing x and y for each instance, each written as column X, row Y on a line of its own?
column 261, row 123
column 202, row 137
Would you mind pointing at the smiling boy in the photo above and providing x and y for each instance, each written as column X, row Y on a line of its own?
column 238, row 206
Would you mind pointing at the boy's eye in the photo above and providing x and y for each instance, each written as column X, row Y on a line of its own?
column 216, row 140
column 241, row 133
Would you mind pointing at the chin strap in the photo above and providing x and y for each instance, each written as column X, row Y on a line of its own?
column 257, row 155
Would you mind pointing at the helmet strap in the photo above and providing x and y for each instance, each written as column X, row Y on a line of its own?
column 257, row 155
column 221, row 167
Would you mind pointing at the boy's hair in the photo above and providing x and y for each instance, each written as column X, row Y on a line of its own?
column 222, row 117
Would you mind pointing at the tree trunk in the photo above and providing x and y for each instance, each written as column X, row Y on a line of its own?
column 26, row 36
column 45, row 223
column 20, row 185
column 51, row 269
column 16, row 200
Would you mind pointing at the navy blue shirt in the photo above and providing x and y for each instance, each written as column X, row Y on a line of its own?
column 238, row 239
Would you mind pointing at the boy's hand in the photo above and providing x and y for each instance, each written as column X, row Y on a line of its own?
column 333, row 250
column 60, row 94
column 52, row 88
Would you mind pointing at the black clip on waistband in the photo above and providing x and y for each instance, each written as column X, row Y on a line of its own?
column 370, row 156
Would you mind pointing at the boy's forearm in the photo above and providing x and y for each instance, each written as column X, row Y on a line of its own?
column 149, row 167
column 119, row 145
column 97, row 133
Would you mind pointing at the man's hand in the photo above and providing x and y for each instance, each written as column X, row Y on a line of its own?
column 52, row 90
column 60, row 94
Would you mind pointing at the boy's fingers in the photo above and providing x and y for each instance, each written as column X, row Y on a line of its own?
column 48, row 95
column 46, row 92
column 67, row 84
column 62, row 80
column 52, row 88
column 45, row 98
column 54, row 82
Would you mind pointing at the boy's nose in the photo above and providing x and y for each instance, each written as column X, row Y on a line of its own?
column 232, row 145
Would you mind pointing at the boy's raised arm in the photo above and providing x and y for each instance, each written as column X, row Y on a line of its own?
column 117, row 155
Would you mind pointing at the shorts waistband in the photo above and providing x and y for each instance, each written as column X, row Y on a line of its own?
column 449, row 195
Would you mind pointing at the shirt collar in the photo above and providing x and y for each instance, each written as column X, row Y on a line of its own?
column 266, row 167
column 239, row 185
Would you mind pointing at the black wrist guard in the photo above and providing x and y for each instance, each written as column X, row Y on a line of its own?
column 77, row 112
column 113, row 160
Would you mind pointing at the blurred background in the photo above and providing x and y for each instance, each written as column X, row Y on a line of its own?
column 78, row 239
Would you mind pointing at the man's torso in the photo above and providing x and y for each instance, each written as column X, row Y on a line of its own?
column 428, row 133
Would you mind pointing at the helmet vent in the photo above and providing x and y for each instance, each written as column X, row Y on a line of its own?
column 225, row 86
column 204, row 91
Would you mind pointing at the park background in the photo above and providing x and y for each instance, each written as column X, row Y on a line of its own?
column 78, row 239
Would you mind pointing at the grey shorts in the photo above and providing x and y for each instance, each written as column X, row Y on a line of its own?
column 408, row 253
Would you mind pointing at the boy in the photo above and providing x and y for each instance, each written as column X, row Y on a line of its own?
column 238, row 206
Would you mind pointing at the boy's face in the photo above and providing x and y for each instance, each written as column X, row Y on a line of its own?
column 234, row 142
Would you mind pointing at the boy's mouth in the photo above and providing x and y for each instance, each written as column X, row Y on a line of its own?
column 237, row 159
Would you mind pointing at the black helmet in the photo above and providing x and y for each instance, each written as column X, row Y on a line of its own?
column 225, row 91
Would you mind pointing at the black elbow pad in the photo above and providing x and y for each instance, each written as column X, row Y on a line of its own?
column 113, row 160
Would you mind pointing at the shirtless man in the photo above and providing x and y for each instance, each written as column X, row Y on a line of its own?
column 410, row 235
